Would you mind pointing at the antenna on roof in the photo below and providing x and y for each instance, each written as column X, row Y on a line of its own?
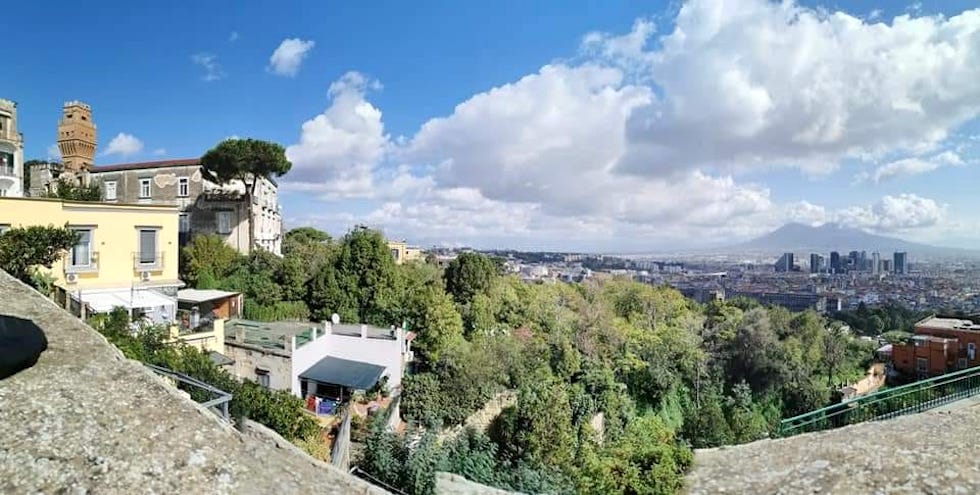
column 335, row 319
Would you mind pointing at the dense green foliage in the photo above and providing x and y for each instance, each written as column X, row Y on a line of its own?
column 468, row 275
column 615, row 380
column 279, row 410
column 875, row 321
column 245, row 160
column 22, row 249
column 272, row 287
column 665, row 373
column 73, row 191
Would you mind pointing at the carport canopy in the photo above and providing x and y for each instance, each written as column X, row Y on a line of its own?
column 356, row 375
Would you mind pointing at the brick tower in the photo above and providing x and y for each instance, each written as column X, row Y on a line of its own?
column 76, row 137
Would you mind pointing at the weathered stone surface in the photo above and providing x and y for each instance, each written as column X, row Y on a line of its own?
column 933, row 452
column 86, row 420
column 448, row 483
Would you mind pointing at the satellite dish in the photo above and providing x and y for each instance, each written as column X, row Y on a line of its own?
column 335, row 319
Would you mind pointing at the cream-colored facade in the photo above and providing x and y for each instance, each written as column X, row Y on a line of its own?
column 126, row 256
column 210, row 338
column 403, row 253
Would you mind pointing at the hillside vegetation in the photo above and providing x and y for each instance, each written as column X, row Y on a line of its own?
column 665, row 374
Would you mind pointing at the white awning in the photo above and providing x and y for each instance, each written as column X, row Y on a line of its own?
column 200, row 296
column 104, row 301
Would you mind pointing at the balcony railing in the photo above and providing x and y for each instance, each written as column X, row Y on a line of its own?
column 214, row 399
column 148, row 261
column 888, row 403
column 91, row 267
column 7, row 172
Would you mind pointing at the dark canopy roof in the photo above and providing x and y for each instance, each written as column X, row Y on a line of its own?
column 351, row 374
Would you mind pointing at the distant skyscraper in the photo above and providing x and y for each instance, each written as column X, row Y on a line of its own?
column 854, row 260
column 835, row 262
column 785, row 263
column 816, row 263
column 875, row 262
column 886, row 265
column 898, row 263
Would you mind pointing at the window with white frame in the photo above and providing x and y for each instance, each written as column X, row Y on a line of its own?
column 81, row 252
column 224, row 222
column 145, row 188
column 110, row 190
column 183, row 187
column 147, row 246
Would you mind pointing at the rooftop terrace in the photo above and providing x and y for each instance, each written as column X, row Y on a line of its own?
column 948, row 324
column 277, row 335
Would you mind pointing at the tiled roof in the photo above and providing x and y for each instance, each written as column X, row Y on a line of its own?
column 145, row 165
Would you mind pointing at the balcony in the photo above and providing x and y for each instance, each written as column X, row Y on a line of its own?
column 8, row 172
column 148, row 261
column 91, row 267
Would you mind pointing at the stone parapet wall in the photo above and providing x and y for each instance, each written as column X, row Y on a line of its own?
column 84, row 419
column 932, row 452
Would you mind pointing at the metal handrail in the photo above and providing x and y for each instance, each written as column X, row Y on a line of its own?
column 221, row 400
column 893, row 402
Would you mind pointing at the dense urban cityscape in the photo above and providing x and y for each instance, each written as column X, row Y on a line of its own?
column 709, row 246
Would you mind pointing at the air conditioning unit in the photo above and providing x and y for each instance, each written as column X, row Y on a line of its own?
column 71, row 278
column 144, row 276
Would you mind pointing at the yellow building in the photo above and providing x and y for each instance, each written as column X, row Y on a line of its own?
column 403, row 253
column 126, row 255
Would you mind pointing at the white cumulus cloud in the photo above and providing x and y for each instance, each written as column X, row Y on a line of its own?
column 124, row 145
column 752, row 83
column 894, row 213
column 288, row 57
column 912, row 166
column 53, row 152
column 338, row 150
column 212, row 69
column 645, row 143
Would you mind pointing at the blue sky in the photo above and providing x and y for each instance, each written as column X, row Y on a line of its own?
column 550, row 124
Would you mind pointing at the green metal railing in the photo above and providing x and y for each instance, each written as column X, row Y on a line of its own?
column 890, row 403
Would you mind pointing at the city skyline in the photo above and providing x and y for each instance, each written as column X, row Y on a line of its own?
column 605, row 128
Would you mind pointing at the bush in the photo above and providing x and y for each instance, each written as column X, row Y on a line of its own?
column 281, row 310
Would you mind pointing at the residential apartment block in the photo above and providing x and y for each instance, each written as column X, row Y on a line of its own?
column 11, row 152
column 939, row 345
column 327, row 360
column 126, row 254
column 205, row 207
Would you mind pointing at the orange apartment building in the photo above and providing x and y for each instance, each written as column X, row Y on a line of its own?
column 940, row 345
